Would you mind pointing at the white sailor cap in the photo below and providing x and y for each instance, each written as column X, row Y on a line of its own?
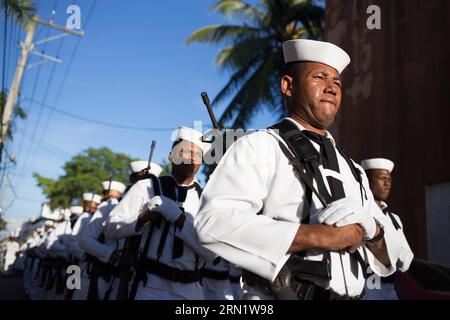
column 76, row 209
column 88, row 196
column 140, row 165
column 67, row 212
column 15, row 233
column 192, row 135
column 378, row 163
column 315, row 51
column 48, row 222
column 113, row 185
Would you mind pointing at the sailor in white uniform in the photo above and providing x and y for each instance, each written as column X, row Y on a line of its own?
column 46, row 272
column 11, row 248
column 90, row 204
column 379, row 172
column 28, row 262
column 162, row 210
column 57, row 248
column 32, row 262
column 103, row 255
column 289, row 203
column 140, row 169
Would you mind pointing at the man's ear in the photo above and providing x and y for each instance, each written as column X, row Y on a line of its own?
column 286, row 85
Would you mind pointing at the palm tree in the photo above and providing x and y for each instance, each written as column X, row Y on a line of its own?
column 21, row 11
column 253, row 51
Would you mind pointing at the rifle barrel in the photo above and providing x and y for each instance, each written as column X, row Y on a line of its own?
column 207, row 103
column 150, row 157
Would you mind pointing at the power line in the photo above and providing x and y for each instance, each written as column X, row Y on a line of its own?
column 28, row 199
column 103, row 123
column 5, row 41
column 27, row 157
column 29, row 110
column 62, row 84
column 6, row 208
column 48, row 146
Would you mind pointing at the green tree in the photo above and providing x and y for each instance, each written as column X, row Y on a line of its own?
column 166, row 166
column 84, row 173
column 253, row 53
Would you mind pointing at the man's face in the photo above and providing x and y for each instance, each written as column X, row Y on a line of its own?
column 314, row 93
column 380, row 182
column 186, row 158
column 90, row 206
column 108, row 194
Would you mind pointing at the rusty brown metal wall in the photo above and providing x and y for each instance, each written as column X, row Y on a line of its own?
column 396, row 99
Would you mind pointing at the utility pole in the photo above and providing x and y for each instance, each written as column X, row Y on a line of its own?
column 28, row 47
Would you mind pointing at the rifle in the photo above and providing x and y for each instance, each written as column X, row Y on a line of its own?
column 150, row 157
column 217, row 126
column 208, row 106
column 130, row 251
column 127, row 261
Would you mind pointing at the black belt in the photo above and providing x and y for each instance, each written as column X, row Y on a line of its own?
column 213, row 274
column 97, row 268
column 170, row 273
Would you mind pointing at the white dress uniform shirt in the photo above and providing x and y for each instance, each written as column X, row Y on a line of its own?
column 255, row 174
column 35, row 290
column 19, row 264
column 102, row 251
column 122, row 224
column 77, row 252
column 406, row 255
column 89, row 239
column 10, row 256
column 28, row 270
column 77, row 231
column 56, row 245
column 387, row 289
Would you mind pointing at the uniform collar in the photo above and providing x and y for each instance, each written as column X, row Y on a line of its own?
column 383, row 205
column 191, row 185
column 327, row 135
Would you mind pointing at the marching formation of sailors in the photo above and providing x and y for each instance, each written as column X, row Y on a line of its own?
column 286, row 214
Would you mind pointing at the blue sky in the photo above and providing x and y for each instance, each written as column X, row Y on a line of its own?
column 132, row 67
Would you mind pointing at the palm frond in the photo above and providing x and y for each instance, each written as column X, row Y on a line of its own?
column 254, row 93
column 221, row 33
column 235, row 81
column 21, row 11
column 239, row 8
column 253, row 52
column 242, row 53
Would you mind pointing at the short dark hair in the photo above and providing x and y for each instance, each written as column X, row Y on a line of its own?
column 369, row 174
column 174, row 144
column 293, row 68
